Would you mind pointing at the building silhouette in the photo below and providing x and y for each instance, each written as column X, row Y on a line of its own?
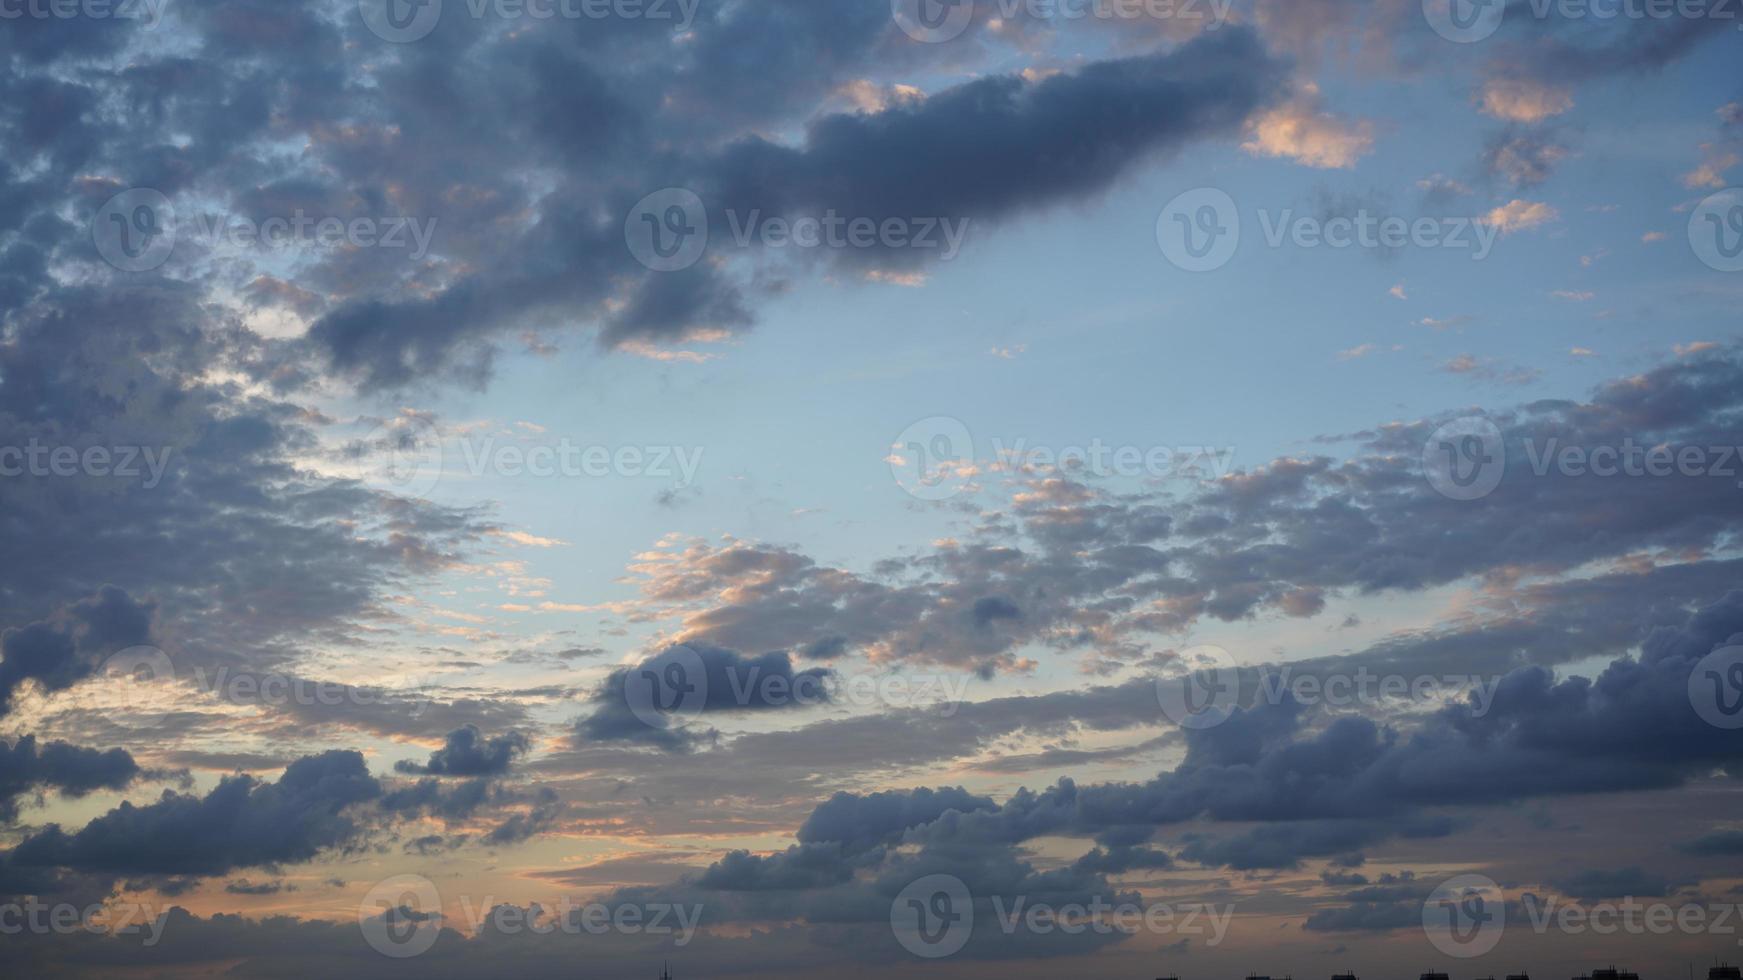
column 1611, row 973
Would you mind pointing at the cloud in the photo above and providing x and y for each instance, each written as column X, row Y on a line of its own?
column 1524, row 158
column 1301, row 131
column 469, row 753
column 1595, row 883
column 731, row 683
column 991, row 146
column 241, row 823
column 1519, row 215
column 58, row 652
column 72, row 770
column 1524, row 101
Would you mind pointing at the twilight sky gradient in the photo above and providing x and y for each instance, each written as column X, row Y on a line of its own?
column 824, row 473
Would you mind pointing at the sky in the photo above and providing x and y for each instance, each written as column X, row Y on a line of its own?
column 939, row 488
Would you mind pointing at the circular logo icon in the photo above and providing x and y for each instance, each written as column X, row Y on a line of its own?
column 1464, row 21
column 135, row 230
column 401, row 916
column 1465, row 916
column 137, row 673
column 933, row 917
column 1716, row 688
column 667, row 230
column 405, row 455
column 400, row 21
column 1205, row 694
column 1465, row 459
column 668, row 691
column 932, row 21
column 1199, row 230
column 933, row 459
column 1716, row 230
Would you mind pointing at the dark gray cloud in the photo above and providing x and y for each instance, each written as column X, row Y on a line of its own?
column 626, row 706
column 241, row 823
column 72, row 770
column 57, row 652
column 984, row 151
column 1595, row 883
column 1091, row 570
column 469, row 753
column 1718, row 842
